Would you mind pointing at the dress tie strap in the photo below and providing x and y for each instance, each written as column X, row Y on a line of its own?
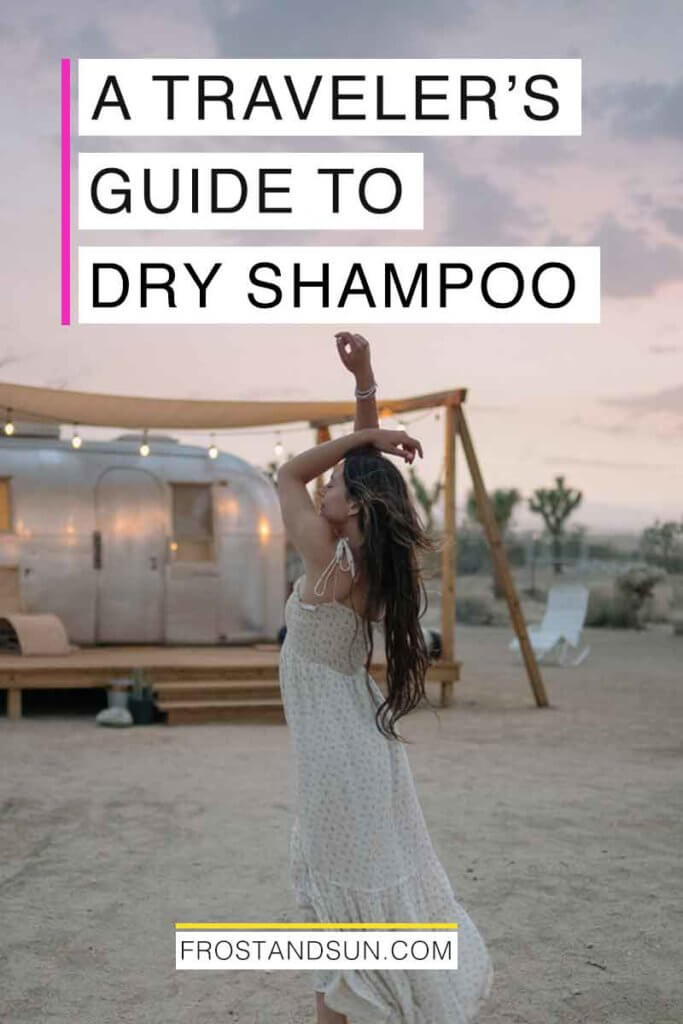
column 343, row 551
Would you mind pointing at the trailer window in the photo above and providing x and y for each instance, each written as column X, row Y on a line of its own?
column 192, row 523
column 5, row 505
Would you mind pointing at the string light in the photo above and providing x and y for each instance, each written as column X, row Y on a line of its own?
column 213, row 450
column 384, row 413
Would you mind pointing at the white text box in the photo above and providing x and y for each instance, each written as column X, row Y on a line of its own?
column 312, row 96
column 242, row 191
column 336, row 284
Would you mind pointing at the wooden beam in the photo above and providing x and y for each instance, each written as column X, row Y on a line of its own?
column 500, row 560
column 391, row 406
column 14, row 704
column 448, row 551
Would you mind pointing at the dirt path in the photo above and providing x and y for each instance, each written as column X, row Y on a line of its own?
column 561, row 831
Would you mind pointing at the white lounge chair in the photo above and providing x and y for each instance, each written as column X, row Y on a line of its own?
column 557, row 641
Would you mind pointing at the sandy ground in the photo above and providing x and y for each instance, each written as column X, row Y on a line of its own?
column 561, row 830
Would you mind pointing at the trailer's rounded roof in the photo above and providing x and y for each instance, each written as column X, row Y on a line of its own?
column 162, row 447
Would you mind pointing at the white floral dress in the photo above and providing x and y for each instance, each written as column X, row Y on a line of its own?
column 359, row 845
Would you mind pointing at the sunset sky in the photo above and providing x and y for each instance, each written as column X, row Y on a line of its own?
column 602, row 404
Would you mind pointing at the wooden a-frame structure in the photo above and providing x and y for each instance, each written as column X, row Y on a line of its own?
column 95, row 409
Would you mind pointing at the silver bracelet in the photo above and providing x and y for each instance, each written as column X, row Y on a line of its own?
column 368, row 393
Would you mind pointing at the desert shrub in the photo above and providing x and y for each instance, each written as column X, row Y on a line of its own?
column 657, row 607
column 474, row 610
column 608, row 609
column 636, row 586
column 625, row 606
column 668, row 604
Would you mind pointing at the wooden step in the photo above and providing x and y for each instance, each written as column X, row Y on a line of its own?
column 197, row 712
column 209, row 689
column 267, row 672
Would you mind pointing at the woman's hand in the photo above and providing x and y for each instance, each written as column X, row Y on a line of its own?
column 396, row 442
column 354, row 352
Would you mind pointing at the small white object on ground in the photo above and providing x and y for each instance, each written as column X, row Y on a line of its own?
column 114, row 716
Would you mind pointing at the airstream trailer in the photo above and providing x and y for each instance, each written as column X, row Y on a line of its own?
column 170, row 548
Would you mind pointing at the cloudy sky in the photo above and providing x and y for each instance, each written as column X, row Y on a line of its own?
column 602, row 404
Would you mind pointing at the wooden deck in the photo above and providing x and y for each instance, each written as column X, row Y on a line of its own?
column 191, row 684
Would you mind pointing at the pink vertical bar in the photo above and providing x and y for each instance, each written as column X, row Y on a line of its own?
column 66, row 190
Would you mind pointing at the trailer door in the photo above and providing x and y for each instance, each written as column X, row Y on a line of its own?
column 129, row 552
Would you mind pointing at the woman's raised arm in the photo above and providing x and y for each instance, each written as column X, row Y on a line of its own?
column 354, row 352
column 310, row 532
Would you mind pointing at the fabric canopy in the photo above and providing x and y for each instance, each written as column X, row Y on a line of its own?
column 101, row 410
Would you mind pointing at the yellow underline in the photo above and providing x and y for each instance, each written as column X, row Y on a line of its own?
column 305, row 925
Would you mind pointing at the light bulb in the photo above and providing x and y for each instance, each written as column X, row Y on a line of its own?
column 144, row 449
column 9, row 428
column 278, row 448
column 213, row 452
column 76, row 441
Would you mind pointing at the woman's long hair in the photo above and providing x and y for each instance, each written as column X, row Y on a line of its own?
column 392, row 536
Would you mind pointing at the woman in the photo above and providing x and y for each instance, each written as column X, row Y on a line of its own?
column 359, row 848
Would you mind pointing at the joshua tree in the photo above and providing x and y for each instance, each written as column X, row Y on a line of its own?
column 426, row 499
column 503, row 502
column 555, row 505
